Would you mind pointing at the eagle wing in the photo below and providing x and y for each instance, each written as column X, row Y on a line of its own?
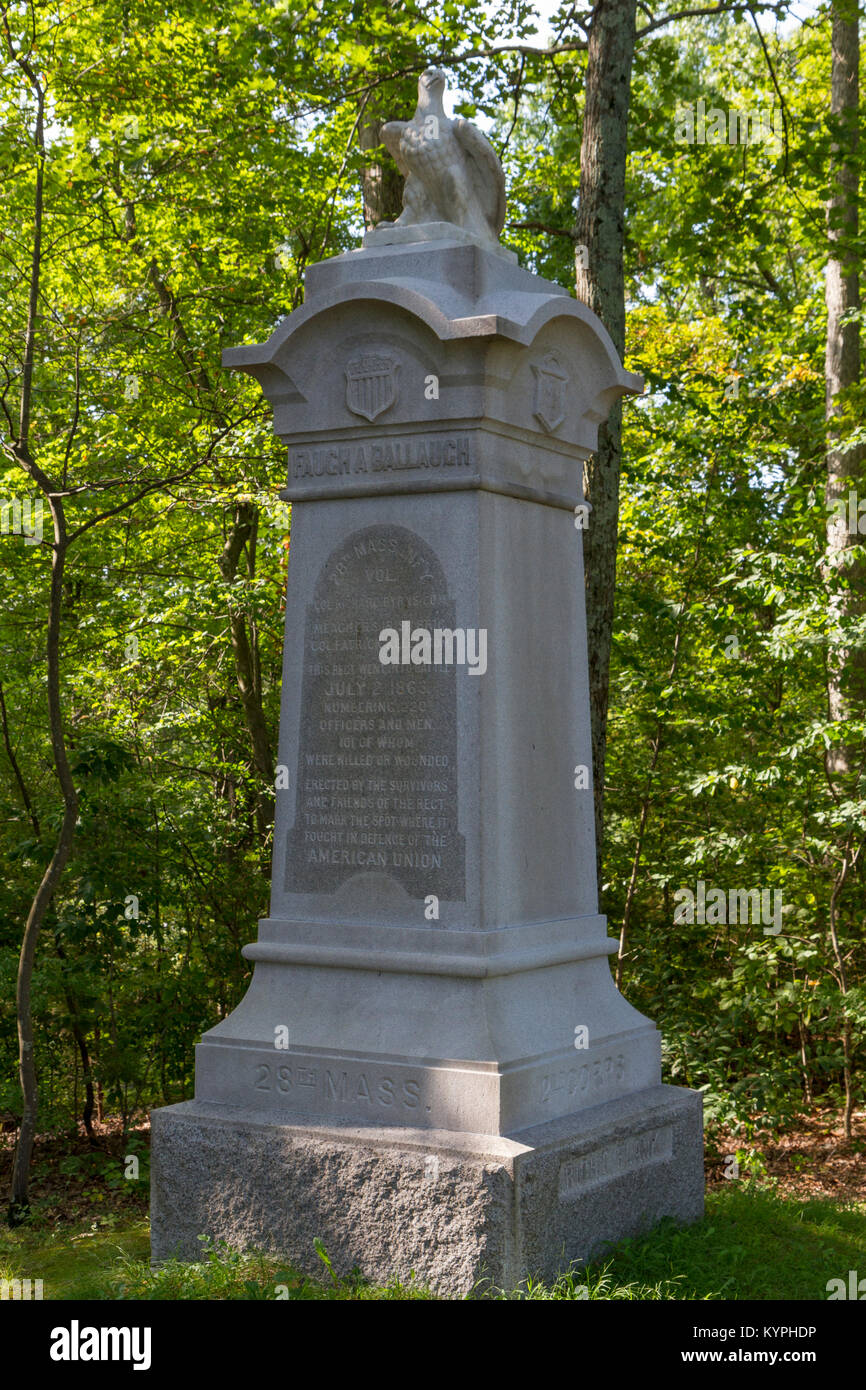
column 489, row 179
column 392, row 135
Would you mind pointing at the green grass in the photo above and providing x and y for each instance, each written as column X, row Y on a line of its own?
column 73, row 1262
column 753, row 1244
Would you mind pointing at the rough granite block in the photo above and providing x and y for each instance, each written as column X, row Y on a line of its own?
column 462, row 1212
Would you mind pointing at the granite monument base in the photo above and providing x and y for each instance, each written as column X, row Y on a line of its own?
column 463, row 1213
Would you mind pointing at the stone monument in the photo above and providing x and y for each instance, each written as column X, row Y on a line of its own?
column 432, row 1069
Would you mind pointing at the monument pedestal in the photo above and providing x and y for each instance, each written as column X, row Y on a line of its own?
column 464, row 1212
column 432, row 1069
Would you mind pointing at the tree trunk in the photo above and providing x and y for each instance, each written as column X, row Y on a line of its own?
column 19, row 449
column 804, row 1062
column 81, row 1045
column 601, row 285
column 842, row 370
column 382, row 183
column 89, row 1103
column 16, row 770
column 100, row 1097
column 846, row 687
column 842, row 981
column 243, row 533
column 19, row 1196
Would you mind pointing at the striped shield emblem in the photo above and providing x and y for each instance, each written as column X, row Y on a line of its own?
column 371, row 384
column 550, row 393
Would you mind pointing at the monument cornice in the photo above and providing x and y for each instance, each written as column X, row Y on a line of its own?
column 425, row 335
column 528, row 313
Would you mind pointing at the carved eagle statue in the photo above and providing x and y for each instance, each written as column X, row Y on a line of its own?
column 452, row 171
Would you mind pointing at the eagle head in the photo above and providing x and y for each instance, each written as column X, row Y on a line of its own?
column 432, row 80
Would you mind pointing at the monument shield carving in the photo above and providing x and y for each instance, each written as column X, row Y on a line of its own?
column 371, row 384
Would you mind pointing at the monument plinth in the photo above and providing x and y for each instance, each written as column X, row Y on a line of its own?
column 432, row 1069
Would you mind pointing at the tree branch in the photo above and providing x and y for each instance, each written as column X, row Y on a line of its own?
column 775, row 84
column 689, row 14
